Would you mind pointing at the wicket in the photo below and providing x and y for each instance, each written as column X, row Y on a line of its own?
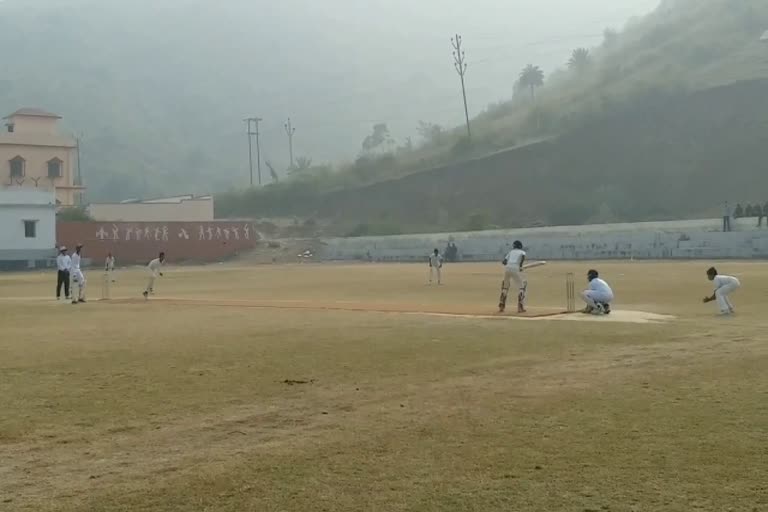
column 105, row 286
column 570, row 293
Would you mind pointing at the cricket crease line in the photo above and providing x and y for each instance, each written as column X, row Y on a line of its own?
column 293, row 305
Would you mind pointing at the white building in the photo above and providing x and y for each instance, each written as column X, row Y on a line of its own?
column 27, row 227
column 186, row 208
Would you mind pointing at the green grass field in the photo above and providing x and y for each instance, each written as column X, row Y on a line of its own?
column 335, row 398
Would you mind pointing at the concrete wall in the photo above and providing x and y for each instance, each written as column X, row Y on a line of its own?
column 182, row 210
column 701, row 239
column 33, row 124
column 139, row 242
column 16, row 206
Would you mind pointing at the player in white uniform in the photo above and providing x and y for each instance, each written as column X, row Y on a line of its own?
column 154, row 269
column 435, row 267
column 598, row 296
column 724, row 286
column 109, row 267
column 513, row 271
column 77, row 276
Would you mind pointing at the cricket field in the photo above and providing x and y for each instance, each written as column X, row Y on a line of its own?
column 324, row 387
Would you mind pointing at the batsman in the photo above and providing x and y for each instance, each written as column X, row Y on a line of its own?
column 513, row 271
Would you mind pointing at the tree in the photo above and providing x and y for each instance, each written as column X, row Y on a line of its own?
column 378, row 139
column 430, row 132
column 531, row 77
column 302, row 164
column 580, row 60
column 272, row 172
column 478, row 221
column 610, row 38
column 74, row 214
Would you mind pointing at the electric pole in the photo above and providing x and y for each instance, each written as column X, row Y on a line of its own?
column 460, row 64
column 290, row 130
column 253, row 121
column 79, row 176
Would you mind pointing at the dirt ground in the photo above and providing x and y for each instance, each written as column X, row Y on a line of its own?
column 359, row 387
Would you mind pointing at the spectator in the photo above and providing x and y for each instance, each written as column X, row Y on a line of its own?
column 738, row 212
column 726, row 217
column 451, row 252
column 762, row 212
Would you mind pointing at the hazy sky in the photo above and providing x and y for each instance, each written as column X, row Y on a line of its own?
column 198, row 67
column 390, row 60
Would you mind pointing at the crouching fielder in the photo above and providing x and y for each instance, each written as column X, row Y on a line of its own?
column 598, row 296
column 724, row 286
column 154, row 269
column 513, row 271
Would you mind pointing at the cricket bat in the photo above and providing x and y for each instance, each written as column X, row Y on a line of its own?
column 534, row 264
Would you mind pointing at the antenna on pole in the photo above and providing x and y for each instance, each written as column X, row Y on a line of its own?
column 459, row 62
column 290, row 130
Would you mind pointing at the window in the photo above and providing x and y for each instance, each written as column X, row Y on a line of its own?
column 10, row 127
column 54, row 168
column 17, row 167
column 30, row 229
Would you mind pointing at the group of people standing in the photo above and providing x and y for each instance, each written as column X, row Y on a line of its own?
column 742, row 212
column 70, row 274
column 598, row 295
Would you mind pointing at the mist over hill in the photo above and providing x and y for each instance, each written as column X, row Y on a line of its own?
column 666, row 104
column 157, row 89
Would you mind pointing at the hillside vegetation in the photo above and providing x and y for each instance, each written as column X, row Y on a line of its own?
column 666, row 157
column 639, row 130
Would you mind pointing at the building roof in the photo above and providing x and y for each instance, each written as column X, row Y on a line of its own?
column 20, row 196
column 32, row 112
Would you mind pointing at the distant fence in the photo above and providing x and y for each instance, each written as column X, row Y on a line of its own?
column 653, row 240
column 139, row 242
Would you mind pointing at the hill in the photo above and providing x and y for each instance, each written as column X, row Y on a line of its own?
column 665, row 101
column 671, row 156
column 158, row 88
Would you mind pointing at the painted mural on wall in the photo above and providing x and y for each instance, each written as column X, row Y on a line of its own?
column 137, row 242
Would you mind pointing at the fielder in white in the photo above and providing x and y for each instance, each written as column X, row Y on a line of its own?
column 154, row 269
column 109, row 267
column 436, row 267
column 78, row 278
column 513, row 271
column 724, row 286
column 598, row 296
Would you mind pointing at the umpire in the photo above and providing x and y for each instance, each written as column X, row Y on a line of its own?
column 64, row 265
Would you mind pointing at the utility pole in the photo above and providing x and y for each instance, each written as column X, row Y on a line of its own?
column 79, row 177
column 290, row 130
column 460, row 64
column 254, row 121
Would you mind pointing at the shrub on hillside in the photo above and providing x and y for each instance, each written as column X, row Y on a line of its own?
column 74, row 214
column 375, row 229
column 478, row 221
